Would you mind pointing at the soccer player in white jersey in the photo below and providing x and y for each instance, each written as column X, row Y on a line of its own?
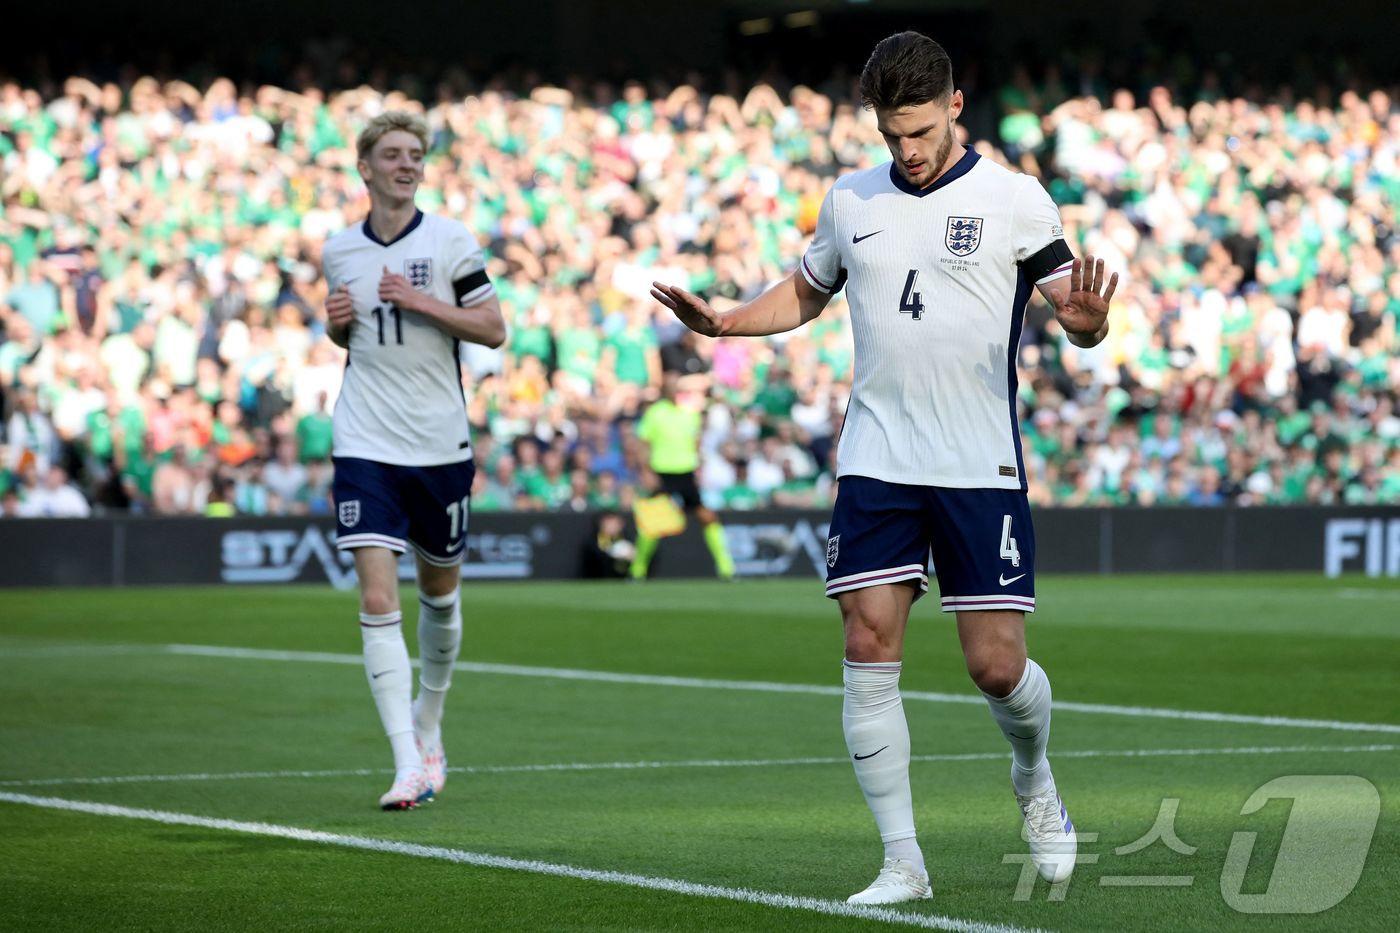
column 406, row 289
column 938, row 252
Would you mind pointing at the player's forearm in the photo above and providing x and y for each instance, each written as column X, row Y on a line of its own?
column 481, row 323
column 339, row 334
column 780, row 309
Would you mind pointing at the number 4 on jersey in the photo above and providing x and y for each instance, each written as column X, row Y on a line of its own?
column 911, row 302
column 1008, row 543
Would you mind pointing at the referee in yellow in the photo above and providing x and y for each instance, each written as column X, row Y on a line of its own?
column 671, row 432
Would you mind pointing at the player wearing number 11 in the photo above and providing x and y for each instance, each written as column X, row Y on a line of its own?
column 938, row 253
column 406, row 289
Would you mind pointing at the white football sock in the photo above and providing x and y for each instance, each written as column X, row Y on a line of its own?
column 391, row 683
column 1024, row 717
column 439, row 639
column 877, row 737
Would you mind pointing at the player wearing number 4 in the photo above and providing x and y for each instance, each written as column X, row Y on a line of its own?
column 407, row 289
column 938, row 253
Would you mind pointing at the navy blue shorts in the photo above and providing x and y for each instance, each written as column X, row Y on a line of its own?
column 383, row 505
column 981, row 542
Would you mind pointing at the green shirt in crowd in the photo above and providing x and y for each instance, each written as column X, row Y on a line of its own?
column 741, row 497
column 579, row 349
column 314, row 436
column 630, row 346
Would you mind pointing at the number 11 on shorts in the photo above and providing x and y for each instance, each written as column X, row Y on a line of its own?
column 458, row 511
column 1008, row 543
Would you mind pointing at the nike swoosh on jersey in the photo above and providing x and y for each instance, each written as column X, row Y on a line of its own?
column 856, row 239
column 1005, row 582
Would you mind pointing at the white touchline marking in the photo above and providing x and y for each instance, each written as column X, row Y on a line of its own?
column 661, row 680
column 1369, row 594
column 486, row 860
column 73, row 651
column 686, row 763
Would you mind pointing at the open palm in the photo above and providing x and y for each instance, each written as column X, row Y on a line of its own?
column 692, row 310
column 1085, row 308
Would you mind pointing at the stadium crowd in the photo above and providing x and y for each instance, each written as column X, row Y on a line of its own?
column 160, row 296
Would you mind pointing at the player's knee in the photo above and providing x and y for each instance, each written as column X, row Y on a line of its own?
column 995, row 672
column 379, row 600
column 437, row 582
column 866, row 638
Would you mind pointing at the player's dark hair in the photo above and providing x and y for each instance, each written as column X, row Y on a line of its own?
column 906, row 69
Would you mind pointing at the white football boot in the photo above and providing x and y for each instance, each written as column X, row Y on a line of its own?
column 410, row 789
column 434, row 761
column 899, row 881
column 1050, row 833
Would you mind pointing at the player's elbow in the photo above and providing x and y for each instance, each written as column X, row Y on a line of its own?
column 496, row 335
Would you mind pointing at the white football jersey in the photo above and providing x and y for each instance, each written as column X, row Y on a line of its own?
column 937, row 280
column 402, row 400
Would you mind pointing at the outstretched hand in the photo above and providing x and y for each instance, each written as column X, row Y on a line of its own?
column 1085, row 309
column 692, row 311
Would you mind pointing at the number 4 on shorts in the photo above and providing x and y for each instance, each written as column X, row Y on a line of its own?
column 1008, row 543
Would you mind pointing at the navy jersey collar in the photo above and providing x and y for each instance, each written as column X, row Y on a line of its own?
column 412, row 225
column 959, row 169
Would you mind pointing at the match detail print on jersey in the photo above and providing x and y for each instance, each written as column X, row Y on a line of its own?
column 936, row 304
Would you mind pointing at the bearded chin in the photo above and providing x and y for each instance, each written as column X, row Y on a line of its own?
column 940, row 157
column 945, row 147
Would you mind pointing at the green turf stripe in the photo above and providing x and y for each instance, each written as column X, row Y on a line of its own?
column 485, row 860
column 661, row 680
column 569, row 766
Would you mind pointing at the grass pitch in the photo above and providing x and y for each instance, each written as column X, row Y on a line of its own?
column 713, row 758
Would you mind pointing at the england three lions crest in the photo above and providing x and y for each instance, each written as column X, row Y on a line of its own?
column 419, row 272
column 964, row 235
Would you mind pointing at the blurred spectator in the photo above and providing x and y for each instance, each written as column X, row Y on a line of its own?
column 52, row 497
column 286, row 479
column 161, row 341
column 608, row 554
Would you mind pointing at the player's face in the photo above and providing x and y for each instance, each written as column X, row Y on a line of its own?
column 921, row 137
column 394, row 168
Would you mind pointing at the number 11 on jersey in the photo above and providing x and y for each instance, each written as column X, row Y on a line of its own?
column 378, row 313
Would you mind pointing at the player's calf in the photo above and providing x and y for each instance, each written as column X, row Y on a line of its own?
column 439, row 641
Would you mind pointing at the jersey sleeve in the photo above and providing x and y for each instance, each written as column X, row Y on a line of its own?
column 329, row 269
column 1038, row 239
column 821, row 264
column 467, row 263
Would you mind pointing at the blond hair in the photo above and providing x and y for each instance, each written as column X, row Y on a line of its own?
column 388, row 122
